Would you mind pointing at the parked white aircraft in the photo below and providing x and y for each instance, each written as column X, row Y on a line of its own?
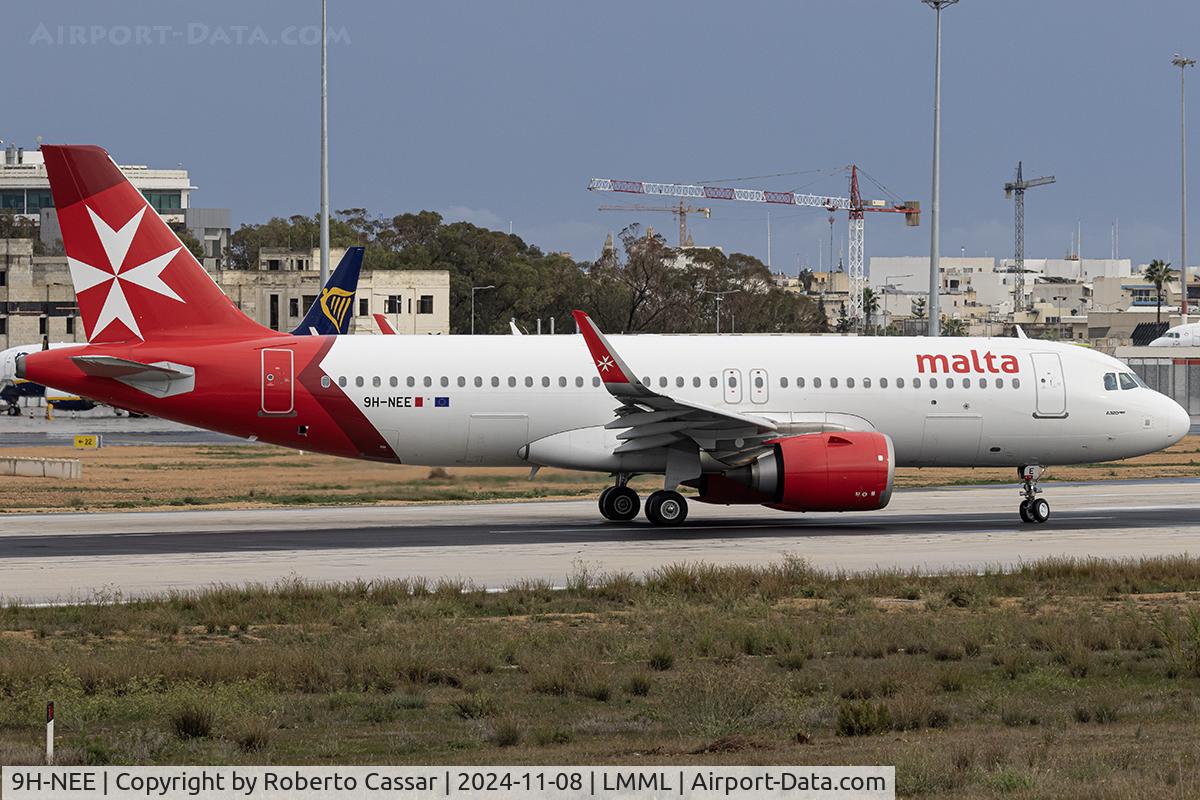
column 1180, row 336
column 800, row 424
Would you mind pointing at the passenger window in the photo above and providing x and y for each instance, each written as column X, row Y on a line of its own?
column 999, row 383
column 376, row 382
column 949, row 383
column 783, row 382
column 528, row 381
column 444, row 381
column 428, row 381
column 833, row 383
column 899, row 383
column 411, row 381
column 758, row 382
column 342, row 380
column 578, row 381
column 324, row 381
column 816, row 383
column 462, row 381
column 1016, row 383
column 883, row 383
column 916, row 383
column 983, row 383
column 713, row 382
column 849, row 383
column 679, row 382
column 933, row 383
column 358, row 381
column 732, row 382
column 545, row 381
column 393, row 381
column 596, row 381
column 512, row 382
column 562, row 381
column 799, row 383
column 1127, row 382
column 662, row 382
column 495, row 381
column 478, row 382
column 867, row 383
column 696, row 382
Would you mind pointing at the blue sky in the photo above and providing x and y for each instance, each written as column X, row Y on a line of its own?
column 499, row 111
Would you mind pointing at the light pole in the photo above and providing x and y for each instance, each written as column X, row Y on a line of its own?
column 935, row 200
column 1183, row 64
column 720, row 296
column 324, row 149
column 1060, row 298
column 475, row 289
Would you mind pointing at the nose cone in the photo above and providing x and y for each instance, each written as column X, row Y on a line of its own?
column 1178, row 422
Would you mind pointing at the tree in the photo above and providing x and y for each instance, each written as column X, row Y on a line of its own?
column 807, row 276
column 870, row 304
column 189, row 240
column 953, row 326
column 1159, row 273
column 919, row 307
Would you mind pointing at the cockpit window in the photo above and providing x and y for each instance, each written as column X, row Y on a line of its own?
column 1110, row 381
column 1127, row 381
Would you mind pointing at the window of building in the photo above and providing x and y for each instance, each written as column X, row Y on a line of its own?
column 364, row 306
column 426, row 304
column 37, row 199
column 395, row 304
column 3, row 277
column 164, row 201
column 272, row 265
column 294, row 307
column 43, row 325
column 13, row 200
column 306, row 302
column 70, row 326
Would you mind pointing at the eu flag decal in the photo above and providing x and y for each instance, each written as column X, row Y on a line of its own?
column 441, row 402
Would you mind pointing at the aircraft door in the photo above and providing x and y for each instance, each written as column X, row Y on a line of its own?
column 732, row 380
column 759, row 386
column 278, row 390
column 1050, row 386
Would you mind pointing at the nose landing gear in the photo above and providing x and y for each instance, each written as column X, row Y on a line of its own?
column 1033, row 509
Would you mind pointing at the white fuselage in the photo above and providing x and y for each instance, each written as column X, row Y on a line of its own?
column 942, row 401
column 1179, row 336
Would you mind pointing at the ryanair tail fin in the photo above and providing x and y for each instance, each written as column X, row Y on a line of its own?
column 330, row 315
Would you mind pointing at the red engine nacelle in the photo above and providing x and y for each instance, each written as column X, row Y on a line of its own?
column 842, row 471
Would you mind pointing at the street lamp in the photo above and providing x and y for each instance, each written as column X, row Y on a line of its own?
column 1059, row 298
column 475, row 289
column 935, row 199
column 719, row 296
column 1183, row 64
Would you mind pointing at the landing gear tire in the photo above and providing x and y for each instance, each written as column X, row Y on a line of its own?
column 1024, row 511
column 1039, row 510
column 619, row 503
column 666, row 508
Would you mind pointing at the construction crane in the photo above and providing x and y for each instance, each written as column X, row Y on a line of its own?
column 854, row 204
column 1016, row 190
column 681, row 211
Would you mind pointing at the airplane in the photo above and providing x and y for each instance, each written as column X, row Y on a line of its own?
column 798, row 424
column 1179, row 336
column 329, row 315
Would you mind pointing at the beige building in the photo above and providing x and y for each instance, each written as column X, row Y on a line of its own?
column 37, row 297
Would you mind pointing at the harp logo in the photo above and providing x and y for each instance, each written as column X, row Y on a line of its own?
column 335, row 304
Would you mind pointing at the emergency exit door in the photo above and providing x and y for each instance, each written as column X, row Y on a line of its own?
column 1051, row 389
column 278, row 389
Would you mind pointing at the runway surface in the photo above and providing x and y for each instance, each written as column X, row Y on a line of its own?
column 44, row 558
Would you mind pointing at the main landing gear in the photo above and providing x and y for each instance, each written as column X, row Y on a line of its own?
column 1033, row 508
column 664, row 508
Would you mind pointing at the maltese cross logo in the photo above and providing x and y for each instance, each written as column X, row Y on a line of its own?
column 605, row 364
column 148, row 274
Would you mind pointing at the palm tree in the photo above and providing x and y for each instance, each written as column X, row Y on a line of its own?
column 870, row 305
column 806, row 277
column 1159, row 273
column 953, row 326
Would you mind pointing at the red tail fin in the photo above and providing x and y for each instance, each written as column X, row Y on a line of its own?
column 134, row 279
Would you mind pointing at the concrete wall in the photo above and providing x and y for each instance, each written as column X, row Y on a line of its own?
column 59, row 468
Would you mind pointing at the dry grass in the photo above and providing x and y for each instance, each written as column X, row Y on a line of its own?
column 1065, row 678
column 251, row 476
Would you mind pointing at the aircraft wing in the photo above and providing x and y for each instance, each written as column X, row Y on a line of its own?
column 648, row 419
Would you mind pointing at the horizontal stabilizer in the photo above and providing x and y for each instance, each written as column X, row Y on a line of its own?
column 113, row 367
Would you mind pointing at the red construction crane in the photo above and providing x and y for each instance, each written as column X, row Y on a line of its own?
column 854, row 204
